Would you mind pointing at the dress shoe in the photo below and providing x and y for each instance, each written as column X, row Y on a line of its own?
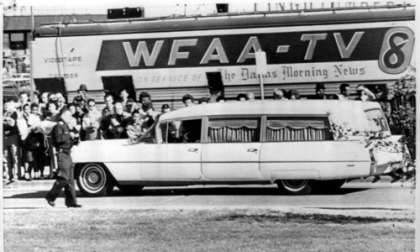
column 50, row 202
column 75, row 206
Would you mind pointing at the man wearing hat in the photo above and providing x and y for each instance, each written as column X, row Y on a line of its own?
column 63, row 140
column 81, row 98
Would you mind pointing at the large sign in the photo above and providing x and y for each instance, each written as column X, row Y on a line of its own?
column 383, row 44
column 319, row 53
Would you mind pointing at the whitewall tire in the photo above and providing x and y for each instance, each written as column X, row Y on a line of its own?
column 297, row 187
column 93, row 180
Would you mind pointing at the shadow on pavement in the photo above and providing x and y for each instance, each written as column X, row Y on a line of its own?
column 214, row 191
column 223, row 191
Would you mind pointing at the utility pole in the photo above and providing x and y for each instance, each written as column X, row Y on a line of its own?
column 31, row 51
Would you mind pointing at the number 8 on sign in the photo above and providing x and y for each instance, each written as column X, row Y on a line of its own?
column 396, row 50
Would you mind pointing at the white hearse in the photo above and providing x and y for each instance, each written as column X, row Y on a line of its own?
column 298, row 145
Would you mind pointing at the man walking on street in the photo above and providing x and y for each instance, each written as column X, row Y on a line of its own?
column 62, row 139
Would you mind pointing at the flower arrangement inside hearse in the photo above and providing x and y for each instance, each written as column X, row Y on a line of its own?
column 389, row 152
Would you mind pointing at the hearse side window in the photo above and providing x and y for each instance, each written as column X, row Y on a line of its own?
column 169, row 131
column 190, row 131
column 282, row 129
column 187, row 131
column 232, row 130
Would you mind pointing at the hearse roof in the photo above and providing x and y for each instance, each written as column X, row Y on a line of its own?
column 273, row 107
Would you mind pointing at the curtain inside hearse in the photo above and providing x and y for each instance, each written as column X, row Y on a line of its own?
column 233, row 130
column 299, row 129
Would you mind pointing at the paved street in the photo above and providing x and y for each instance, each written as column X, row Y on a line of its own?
column 359, row 217
column 357, row 195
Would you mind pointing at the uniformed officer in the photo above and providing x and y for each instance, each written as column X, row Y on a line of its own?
column 62, row 139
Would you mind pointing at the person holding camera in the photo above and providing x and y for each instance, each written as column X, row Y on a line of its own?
column 91, row 121
column 114, row 125
column 81, row 97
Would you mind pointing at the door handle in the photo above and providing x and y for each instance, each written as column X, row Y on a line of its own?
column 252, row 150
column 192, row 149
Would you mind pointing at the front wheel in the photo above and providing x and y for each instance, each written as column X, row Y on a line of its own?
column 297, row 187
column 93, row 180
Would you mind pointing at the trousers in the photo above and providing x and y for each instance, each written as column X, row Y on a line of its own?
column 65, row 179
column 11, row 158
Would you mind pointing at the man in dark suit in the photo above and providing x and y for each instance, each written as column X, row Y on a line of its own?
column 319, row 93
column 62, row 139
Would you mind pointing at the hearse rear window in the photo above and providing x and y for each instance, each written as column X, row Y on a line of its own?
column 233, row 130
column 281, row 129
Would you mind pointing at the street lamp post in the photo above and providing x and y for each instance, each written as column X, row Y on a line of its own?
column 261, row 68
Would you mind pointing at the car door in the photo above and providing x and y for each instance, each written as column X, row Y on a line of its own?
column 181, row 142
column 232, row 149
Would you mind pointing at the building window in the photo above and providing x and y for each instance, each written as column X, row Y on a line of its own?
column 18, row 41
column 6, row 42
column 215, row 83
column 114, row 84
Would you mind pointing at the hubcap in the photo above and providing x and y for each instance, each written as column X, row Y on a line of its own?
column 93, row 178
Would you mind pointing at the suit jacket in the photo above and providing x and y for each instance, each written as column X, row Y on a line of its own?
column 62, row 142
column 61, row 137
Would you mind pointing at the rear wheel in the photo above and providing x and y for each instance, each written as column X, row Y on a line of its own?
column 297, row 187
column 94, row 180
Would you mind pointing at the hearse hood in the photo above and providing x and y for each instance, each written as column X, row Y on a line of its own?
column 100, row 150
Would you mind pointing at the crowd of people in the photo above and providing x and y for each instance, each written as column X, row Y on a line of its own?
column 28, row 122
